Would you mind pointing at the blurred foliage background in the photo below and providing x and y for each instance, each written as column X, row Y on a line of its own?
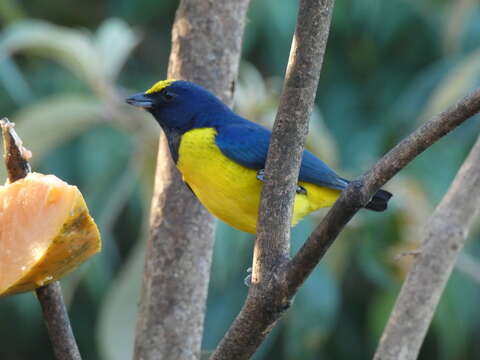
column 64, row 71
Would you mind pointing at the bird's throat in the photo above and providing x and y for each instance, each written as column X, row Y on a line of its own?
column 173, row 138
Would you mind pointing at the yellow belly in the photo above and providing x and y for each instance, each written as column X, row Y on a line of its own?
column 231, row 191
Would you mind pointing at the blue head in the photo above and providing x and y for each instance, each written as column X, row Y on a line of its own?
column 179, row 105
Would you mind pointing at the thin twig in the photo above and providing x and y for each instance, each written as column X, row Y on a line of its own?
column 57, row 321
column 265, row 301
column 444, row 237
column 359, row 192
column 50, row 296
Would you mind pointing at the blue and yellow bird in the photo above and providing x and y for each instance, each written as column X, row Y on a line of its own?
column 221, row 156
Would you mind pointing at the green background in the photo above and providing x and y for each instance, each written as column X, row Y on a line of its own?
column 65, row 67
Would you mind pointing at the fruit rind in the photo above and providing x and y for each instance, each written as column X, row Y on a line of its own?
column 77, row 240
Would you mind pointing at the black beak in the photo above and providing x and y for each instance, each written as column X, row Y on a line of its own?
column 140, row 100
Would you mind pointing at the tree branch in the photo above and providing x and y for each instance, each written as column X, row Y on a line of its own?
column 288, row 137
column 445, row 235
column 57, row 321
column 360, row 192
column 265, row 301
column 50, row 296
column 206, row 46
column 260, row 313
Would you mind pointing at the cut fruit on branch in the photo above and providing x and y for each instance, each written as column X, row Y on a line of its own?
column 45, row 231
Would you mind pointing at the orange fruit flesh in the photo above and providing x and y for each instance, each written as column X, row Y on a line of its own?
column 45, row 231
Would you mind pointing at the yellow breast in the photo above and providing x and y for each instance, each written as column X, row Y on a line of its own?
column 231, row 191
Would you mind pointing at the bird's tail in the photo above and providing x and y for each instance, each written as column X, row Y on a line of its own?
column 379, row 201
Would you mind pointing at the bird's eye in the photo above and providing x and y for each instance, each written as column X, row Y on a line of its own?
column 168, row 97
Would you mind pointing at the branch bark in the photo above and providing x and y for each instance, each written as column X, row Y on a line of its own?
column 267, row 299
column 206, row 46
column 50, row 296
column 57, row 322
column 445, row 235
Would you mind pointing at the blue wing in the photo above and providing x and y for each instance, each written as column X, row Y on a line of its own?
column 247, row 144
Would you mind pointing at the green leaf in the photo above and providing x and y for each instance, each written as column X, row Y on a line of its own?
column 114, row 42
column 460, row 80
column 55, row 120
column 95, row 59
column 72, row 48
column 14, row 82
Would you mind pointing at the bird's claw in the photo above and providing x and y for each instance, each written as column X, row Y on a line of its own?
column 299, row 190
column 248, row 279
column 261, row 174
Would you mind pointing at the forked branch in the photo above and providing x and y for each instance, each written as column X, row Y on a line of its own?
column 267, row 298
column 276, row 279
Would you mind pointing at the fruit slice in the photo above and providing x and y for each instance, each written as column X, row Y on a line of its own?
column 45, row 231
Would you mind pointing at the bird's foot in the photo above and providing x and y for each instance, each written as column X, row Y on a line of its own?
column 299, row 190
column 248, row 279
column 261, row 174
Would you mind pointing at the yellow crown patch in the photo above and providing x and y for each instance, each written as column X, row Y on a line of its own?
column 159, row 86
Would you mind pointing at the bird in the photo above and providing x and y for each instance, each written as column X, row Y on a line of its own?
column 221, row 156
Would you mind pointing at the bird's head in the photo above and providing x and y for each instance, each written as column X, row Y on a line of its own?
column 177, row 104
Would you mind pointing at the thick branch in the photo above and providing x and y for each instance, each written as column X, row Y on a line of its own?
column 206, row 45
column 445, row 235
column 265, row 301
column 50, row 296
